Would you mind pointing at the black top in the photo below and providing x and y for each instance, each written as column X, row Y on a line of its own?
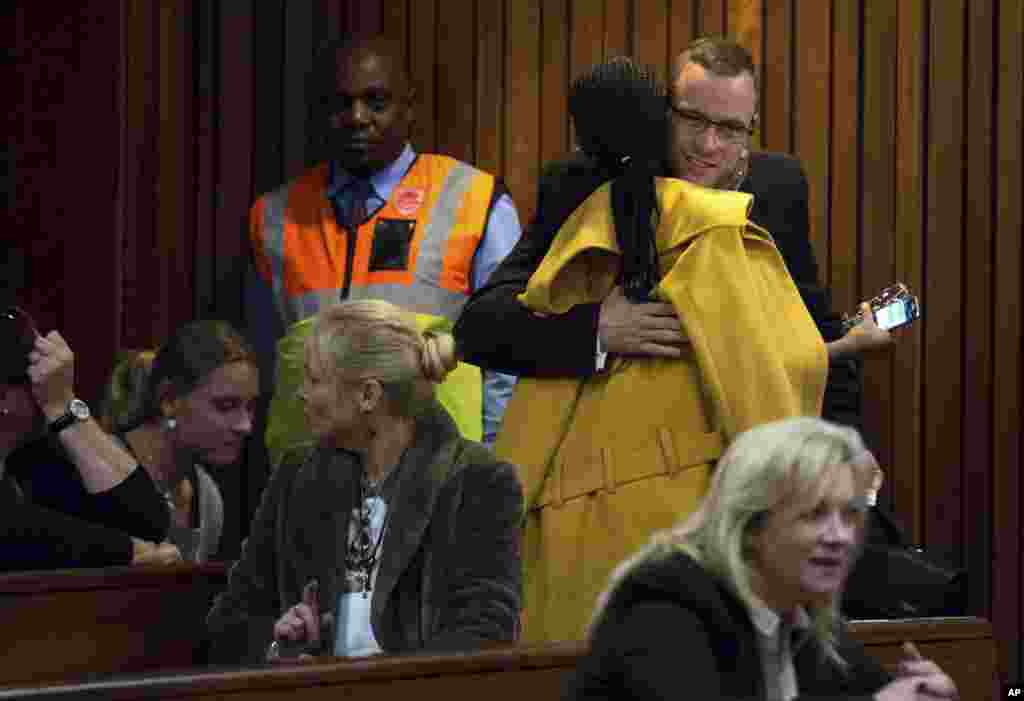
column 498, row 333
column 49, row 521
column 672, row 631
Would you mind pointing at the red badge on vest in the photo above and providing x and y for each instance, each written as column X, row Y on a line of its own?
column 408, row 200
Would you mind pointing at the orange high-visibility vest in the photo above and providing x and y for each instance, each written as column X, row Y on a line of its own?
column 416, row 251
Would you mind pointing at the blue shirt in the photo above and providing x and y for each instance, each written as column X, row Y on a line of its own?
column 501, row 233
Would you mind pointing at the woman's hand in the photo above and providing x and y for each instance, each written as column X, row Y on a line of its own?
column 300, row 623
column 51, row 367
column 868, row 335
column 918, row 679
column 146, row 553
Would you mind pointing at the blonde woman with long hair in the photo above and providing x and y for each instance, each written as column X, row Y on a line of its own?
column 742, row 600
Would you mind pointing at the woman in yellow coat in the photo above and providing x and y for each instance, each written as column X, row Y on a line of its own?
column 608, row 459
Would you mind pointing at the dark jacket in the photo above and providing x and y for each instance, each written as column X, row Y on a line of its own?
column 449, row 576
column 672, row 631
column 496, row 332
column 49, row 521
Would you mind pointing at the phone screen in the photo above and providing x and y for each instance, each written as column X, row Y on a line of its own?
column 893, row 315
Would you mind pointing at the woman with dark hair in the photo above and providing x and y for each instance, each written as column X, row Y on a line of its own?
column 70, row 495
column 195, row 412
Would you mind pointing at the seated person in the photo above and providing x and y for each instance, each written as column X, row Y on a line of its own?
column 742, row 600
column 70, row 495
column 392, row 533
column 195, row 412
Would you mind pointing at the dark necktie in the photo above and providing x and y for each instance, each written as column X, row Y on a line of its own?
column 359, row 194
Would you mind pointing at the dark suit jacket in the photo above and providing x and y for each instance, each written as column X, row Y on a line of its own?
column 672, row 631
column 449, row 576
column 496, row 332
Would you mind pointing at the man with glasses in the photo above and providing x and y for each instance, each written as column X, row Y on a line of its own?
column 713, row 98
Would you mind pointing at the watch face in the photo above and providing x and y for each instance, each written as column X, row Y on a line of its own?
column 79, row 409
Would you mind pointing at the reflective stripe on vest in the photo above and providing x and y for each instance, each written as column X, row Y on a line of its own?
column 441, row 204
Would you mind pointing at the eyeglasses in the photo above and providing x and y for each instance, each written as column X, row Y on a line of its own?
column 728, row 132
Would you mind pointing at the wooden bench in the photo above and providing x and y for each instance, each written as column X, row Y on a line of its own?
column 72, row 623
column 963, row 646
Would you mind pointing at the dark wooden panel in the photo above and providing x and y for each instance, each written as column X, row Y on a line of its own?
column 618, row 40
column 844, row 182
column 713, row 17
column 489, row 127
column 746, row 18
column 456, row 61
column 554, row 81
column 682, row 26
column 977, row 302
column 909, row 258
column 963, row 646
column 811, row 117
column 300, row 118
column 586, row 38
column 878, row 202
column 522, row 100
column 139, row 155
column 172, row 305
column 943, row 294
column 1008, row 546
column 77, row 622
column 205, row 28
column 423, row 56
column 650, row 36
column 777, row 76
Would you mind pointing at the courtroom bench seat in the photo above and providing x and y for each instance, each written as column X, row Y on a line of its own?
column 963, row 646
column 71, row 623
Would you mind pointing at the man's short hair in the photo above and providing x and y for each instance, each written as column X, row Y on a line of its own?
column 719, row 55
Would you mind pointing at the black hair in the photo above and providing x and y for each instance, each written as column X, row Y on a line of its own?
column 621, row 117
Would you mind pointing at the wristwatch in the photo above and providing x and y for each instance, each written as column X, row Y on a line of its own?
column 77, row 411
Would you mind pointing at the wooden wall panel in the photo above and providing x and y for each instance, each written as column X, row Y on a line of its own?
column 522, row 103
column 944, row 291
column 554, row 82
column 1008, row 350
column 456, row 62
column 777, row 76
column 650, row 36
column 423, row 64
column 489, row 129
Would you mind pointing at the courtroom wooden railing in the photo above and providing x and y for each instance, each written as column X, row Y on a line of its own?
column 73, row 623
column 963, row 646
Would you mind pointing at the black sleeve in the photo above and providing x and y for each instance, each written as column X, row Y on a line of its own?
column 241, row 621
column 658, row 651
column 498, row 333
column 51, row 481
column 482, row 597
column 36, row 538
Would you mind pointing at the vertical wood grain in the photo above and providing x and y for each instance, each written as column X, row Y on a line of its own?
column 456, row 62
column 554, row 81
column 878, row 211
column 944, row 294
column 713, row 17
column 978, row 268
column 909, row 254
column 490, row 85
column 682, row 27
column 777, row 76
column 617, row 30
column 745, row 21
column 811, row 118
column 651, row 36
column 299, row 99
column 841, row 276
column 1008, row 546
column 205, row 186
column 522, row 100
column 423, row 62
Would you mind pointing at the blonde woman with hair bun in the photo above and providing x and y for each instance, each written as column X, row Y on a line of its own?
column 391, row 532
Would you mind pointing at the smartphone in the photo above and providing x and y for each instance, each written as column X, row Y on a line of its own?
column 893, row 307
column 897, row 313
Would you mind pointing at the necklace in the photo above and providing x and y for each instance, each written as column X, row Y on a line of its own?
column 363, row 550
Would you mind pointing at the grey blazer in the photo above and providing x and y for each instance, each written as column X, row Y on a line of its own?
column 449, row 576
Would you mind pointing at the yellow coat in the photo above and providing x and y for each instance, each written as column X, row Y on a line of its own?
column 607, row 460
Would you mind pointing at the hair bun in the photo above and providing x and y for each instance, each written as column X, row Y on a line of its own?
column 438, row 355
